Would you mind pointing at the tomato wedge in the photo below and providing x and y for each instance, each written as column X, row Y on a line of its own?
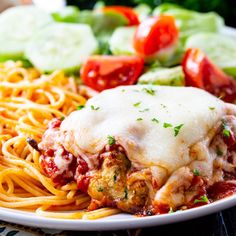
column 154, row 34
column 104, row 72
column 128, row 12
column 200, row 72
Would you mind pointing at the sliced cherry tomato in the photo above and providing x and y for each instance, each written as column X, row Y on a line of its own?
column 128, row 12
column 200, row 72
column 154, row 34
column 104, row 72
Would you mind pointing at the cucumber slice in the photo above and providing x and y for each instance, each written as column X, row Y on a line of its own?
column 121, row 42
column 220, row 49
column 163, row 76
column 17, row 26
column 62, row 46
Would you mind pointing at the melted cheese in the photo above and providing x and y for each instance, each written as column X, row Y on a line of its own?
column 139, row 118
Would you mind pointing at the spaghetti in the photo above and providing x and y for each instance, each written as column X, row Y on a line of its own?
column 28, row 101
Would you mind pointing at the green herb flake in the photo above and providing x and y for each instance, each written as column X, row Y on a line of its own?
column 149, row 91
column 226, row 133
column 155, row 120
column 163, row 106
column 100, row 189
column 219, row 151
column 196, row 172
column 226, row 130
column 94, row 108
column 177, row 129
column 144, row 110
column 126, row 193
column 137, row 104
column 167, row 125
column 80, row 107
column 111, row 140
column 62, row 118
column 212, row 108
column 123, row 90
column 203, row 199
column 139, row 119
column 171, row 210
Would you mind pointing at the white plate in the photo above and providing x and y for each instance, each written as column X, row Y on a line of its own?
column 119, row 221
column 115, row 222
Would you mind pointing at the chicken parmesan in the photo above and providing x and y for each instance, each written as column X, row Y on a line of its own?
column 145, row 149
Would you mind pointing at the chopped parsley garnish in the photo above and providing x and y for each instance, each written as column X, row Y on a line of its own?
column 100, row 189
column 203, row 199
column 139, row 119
column 164, row 106
column 94, row 108
column 167, row 125
column 212, row 108
column 62, row 118
column 149, row 91
column 226, row 130
column 196, row 172
column 219, row 151
column 137, row 104
column 226, row 133
column 144, row 110
column 224, row 124
column 155, row 120
column 123, row 90
column 177, row 129
column 80, row 107
column 171, row 210
column 126, row 193
column 111, row 140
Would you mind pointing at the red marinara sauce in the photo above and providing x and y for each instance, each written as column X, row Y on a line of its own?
column 221, row 190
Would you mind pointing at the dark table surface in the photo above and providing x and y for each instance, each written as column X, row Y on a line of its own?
column 220, row 224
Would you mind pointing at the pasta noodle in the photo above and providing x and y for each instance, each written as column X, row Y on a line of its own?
column 28, row 101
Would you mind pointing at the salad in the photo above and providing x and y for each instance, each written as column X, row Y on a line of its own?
column 117, row 45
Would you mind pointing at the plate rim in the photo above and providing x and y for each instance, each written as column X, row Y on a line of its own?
column 114, row 222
